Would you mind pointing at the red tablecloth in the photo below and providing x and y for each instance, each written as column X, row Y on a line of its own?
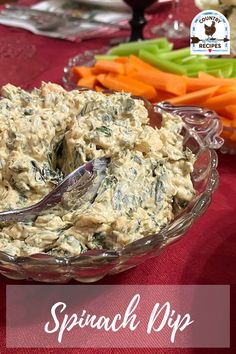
column 206, row 255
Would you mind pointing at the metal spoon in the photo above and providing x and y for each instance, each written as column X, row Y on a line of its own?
column 67, row 195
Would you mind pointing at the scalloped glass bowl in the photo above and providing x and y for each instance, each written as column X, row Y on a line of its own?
column 87, row 59
column 201, row 134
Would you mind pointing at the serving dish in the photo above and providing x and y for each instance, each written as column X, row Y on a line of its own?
column 201, row 135
column 88, row 59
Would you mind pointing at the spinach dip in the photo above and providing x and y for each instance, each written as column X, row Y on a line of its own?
column 46, row 134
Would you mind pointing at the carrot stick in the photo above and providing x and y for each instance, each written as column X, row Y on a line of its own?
column 197, row 97
column 164, row 96
column 231, row 111
column 82, row 71
column 226, row 122
column 218, row 80
column 129, row 69
column 155, row 99
column 220, row 101
column 121, row 60
column 140, row 64
column 99, row 88
column 127, row 84
column 171, row 83
column 88, row 81
column 195, row 84
column 109, row 66
column 225, row 89
column 101, row 78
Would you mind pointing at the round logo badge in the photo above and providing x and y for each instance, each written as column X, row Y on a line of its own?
column 210, row 34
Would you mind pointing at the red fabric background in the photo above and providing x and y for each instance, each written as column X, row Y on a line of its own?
column 206, row 255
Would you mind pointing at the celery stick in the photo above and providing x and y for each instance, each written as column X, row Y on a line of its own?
column 105, row 57
column 219, row 67
column 223, row 63
column 176, row 54
column 195, row 67
column 177, row 61
column 226, row 69
column 126, row 51
column 164, row 65
column 220, row 61
column 134, row 47
column 163, row 41
column 155, row 50
column 233, row 75
column 216, row 72
column 193, row 74
column 188, row 60
column 163, row 50
column 233, row 69
column 168, row 46
column 191, row 59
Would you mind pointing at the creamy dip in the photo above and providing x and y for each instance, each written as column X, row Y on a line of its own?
column 46, row 134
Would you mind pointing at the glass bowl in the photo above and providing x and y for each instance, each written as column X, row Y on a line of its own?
column 201, row 134
column 87, row 58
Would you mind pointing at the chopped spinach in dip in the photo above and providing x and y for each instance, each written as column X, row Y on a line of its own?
column 46, row 134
